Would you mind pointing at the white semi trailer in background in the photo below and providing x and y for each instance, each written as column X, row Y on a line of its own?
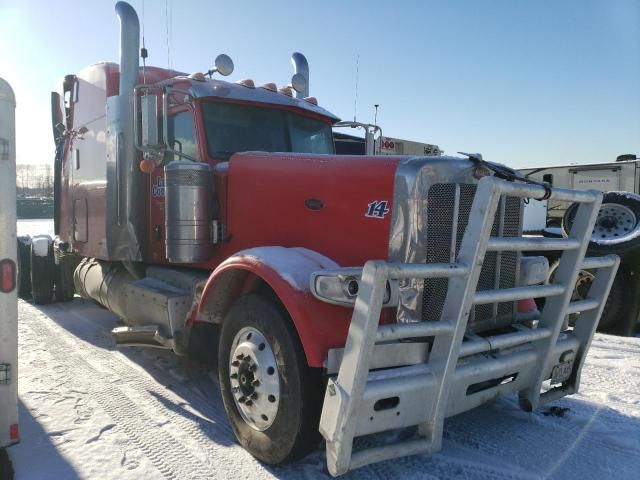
column 617, row 230
column 621, row 175
column 8, row 294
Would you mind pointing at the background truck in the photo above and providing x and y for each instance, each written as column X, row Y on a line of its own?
column 371, row 144
column 342, row 295
column 8, row 294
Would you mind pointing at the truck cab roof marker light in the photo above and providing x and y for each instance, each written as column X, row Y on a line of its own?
column 288, row 91
column 247, row 82
column 270, row 86
column 312, row 100
column 198, row 76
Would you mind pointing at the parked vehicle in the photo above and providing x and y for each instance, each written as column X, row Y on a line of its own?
column 374, row 143
column 617, row 230
column 9, row 433
column 216, row 219
column 621, row 175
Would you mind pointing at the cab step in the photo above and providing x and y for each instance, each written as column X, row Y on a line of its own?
column 142, row 336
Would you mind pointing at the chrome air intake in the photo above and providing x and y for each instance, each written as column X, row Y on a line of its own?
column 188, row 214
column 432, row 201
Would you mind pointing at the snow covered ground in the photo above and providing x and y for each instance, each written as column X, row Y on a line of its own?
column 38, row 226
column 90, row 411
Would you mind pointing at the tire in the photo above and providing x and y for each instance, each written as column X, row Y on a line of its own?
column 289, row 388
column 617, row 307
column 6, row 469
column 24, row 267
column 42, row 272
column 65, row 265
column 617, row 228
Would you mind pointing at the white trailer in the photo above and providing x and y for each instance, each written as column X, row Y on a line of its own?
column 622, row 175
column 8, row 294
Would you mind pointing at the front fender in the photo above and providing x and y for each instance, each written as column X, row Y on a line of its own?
column 320, row 325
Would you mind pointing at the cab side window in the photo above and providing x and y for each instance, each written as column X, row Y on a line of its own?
column 181, row 136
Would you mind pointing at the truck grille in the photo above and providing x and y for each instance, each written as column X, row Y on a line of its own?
column 445, row 230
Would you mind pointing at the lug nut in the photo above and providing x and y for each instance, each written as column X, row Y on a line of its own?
column 235, row 363
column 234, row 375
column 253, row 367
column 242, row 399
column 248, row 403
column 256, row 383
column 240, row 356
column 254, row 395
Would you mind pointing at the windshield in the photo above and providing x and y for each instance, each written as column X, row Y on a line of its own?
column 232, row 128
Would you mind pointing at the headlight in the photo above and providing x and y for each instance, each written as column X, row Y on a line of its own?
column 341, row 287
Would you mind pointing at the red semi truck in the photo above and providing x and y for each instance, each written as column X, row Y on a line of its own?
column 342, row 295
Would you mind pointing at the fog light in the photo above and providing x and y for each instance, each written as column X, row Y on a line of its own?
column 351, row 286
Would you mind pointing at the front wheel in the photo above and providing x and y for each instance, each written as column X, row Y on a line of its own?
column 272, row 398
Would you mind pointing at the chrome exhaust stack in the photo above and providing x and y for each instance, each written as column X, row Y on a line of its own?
column 129, row 46
column 125, row 206
column 300, row 79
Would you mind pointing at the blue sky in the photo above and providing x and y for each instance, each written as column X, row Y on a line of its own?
column 525, row 83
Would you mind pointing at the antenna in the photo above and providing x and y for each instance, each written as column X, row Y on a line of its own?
column 375, row 116
column 355, row 101
column 168, row 32
column 143, row 51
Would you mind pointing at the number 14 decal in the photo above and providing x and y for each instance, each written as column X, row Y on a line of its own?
column 377, row 209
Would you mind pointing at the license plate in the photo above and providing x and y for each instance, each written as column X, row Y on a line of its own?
column 561, row 372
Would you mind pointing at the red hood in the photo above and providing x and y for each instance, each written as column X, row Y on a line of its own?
column 319, row 202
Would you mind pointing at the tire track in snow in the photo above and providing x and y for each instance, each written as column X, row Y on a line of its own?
column 164, row 451
column 198, row 435
column 199, row 428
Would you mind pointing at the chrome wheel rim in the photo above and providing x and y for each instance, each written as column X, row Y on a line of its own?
column 254, row 380
column 615, row 223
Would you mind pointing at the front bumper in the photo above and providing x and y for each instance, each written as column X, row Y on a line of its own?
column 387, row 380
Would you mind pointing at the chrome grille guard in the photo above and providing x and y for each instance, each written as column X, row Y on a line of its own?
column 452, row 376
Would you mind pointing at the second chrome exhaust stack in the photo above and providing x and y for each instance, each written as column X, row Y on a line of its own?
column 300, row 79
